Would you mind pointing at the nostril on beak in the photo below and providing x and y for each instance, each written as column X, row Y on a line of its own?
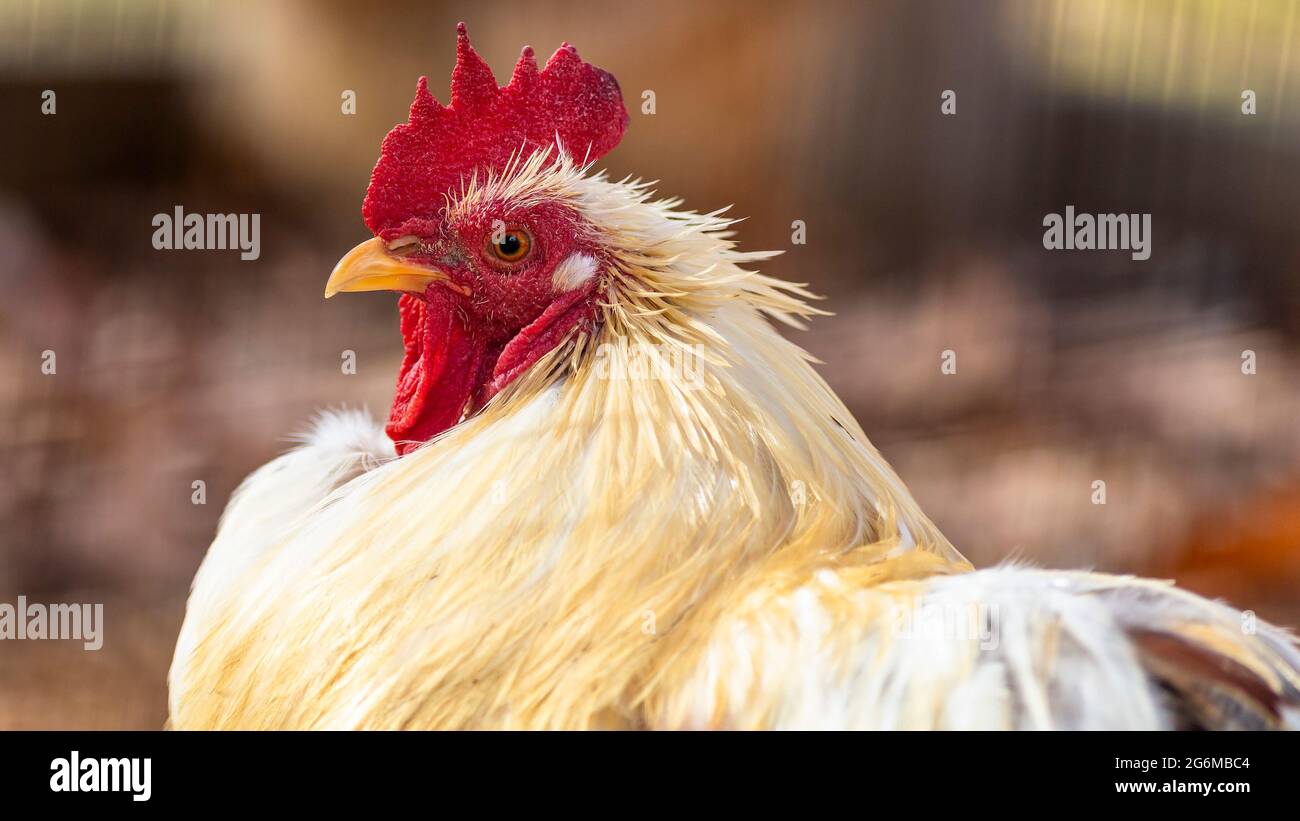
column 403, row 244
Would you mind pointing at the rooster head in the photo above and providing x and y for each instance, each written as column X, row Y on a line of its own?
column 492, row 273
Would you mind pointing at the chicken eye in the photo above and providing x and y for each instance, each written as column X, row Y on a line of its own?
column 512, row 246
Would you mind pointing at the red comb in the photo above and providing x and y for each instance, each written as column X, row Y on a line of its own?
column 428, row 156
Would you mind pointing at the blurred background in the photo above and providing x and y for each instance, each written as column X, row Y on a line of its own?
column 924, row 231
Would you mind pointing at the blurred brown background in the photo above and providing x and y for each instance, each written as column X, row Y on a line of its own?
column 924, row 231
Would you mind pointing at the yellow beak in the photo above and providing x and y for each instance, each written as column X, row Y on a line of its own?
column 370, row 267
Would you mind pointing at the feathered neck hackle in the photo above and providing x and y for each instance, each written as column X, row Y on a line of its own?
column 685, row 353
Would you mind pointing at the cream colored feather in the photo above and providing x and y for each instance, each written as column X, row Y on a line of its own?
column 711, row 546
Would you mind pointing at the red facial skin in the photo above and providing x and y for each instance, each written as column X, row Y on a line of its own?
column 468, row 339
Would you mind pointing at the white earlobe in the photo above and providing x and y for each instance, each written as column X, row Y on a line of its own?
column 573, row 272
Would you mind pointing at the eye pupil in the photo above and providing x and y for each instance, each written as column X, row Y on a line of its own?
column 513, row 246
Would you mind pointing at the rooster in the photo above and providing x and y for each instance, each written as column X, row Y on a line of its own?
column 610, row 494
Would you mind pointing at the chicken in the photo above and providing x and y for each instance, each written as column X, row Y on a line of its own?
column 610, row 494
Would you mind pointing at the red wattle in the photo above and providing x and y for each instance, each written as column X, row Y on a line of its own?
column 539, row 337
column 439, row 369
